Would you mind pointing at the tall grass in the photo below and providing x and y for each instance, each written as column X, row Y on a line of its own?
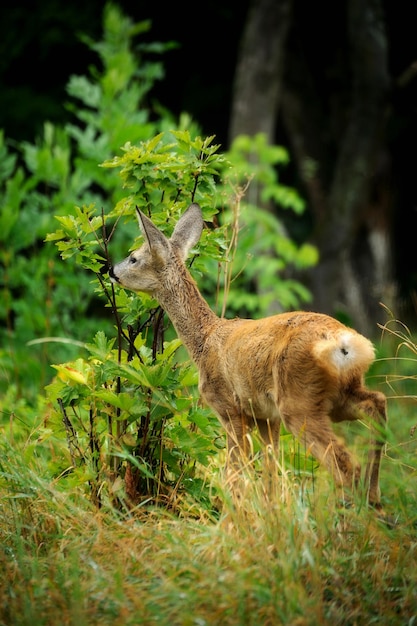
column 284, row 552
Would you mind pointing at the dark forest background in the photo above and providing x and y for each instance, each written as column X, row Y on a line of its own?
column 322, row 75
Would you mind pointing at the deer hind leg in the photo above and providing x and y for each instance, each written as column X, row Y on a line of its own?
column 316, row 433
column 372, row 404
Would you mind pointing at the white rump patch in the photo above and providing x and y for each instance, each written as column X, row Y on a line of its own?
column 345, row 351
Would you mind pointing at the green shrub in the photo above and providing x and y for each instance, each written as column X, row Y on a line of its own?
column 42, row 296
column 129, row 408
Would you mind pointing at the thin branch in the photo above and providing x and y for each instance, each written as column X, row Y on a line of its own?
column 73, row 446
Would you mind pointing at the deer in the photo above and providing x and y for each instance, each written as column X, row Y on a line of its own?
column 302, row 369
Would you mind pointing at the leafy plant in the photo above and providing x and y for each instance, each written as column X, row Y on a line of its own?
column 41, row 296
column 131, row 420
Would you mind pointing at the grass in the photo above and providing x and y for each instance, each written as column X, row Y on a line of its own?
column 280, row 556
column 285, row 552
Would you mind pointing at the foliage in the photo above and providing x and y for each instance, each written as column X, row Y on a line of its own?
column 128, row 409
column 42, row 296
column 258, row 280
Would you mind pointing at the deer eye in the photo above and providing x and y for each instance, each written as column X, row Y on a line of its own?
column 133, row 260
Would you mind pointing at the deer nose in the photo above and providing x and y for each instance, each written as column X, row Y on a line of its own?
column 112, row 275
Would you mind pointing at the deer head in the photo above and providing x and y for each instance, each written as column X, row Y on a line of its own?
column 149, row 267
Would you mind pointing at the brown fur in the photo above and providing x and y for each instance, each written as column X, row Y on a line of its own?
column 302, row 369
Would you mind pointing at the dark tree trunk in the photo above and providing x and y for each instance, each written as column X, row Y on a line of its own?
column 257, row 85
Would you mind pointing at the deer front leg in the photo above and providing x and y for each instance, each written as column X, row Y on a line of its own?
column 269, row 432
column 236, row 429
column 215, row 394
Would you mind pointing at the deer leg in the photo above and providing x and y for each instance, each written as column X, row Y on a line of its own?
column 269, row 433
column 333, row 453
column 236, row 428
column 373, row 405
column 316, row 432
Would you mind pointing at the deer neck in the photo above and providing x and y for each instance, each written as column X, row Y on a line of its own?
column 190, row 314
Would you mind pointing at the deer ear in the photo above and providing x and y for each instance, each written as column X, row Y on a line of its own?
column 156, row 239
column 188, row 230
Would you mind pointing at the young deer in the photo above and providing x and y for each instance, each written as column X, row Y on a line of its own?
column 304, row 369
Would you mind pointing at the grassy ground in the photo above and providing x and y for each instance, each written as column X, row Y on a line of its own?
column 283, row 555
column 286, row 553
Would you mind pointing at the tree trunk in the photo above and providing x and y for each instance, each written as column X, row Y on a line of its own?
column 257, row 85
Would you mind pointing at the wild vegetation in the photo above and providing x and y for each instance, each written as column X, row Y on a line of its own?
column 114, row 508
